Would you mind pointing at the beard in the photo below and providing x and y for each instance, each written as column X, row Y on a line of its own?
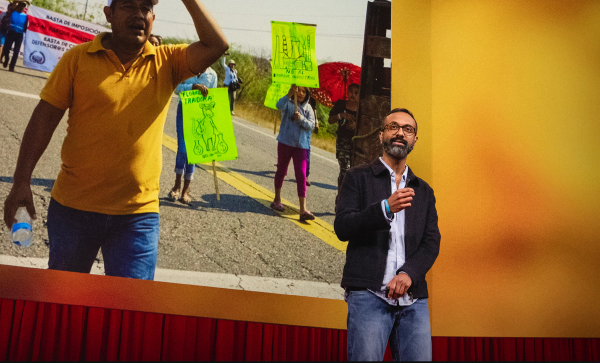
column 397, row 152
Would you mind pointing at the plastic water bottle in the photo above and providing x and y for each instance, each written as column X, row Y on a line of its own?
column 22, row 231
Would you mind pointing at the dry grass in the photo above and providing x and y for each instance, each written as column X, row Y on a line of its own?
column 262, row 116
column 327, row 144
column 266, row 117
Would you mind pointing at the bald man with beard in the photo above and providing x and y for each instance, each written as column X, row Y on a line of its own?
column 388, row 215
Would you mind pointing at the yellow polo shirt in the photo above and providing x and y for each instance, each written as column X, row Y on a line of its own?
column 112, row 154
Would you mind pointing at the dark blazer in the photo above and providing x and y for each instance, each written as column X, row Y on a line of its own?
column 360, row 220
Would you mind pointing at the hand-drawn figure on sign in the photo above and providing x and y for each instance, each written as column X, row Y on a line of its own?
column 212, row 140
column 207, row 112
column 293, row 53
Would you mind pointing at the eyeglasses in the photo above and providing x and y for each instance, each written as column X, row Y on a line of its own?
column 406, row 129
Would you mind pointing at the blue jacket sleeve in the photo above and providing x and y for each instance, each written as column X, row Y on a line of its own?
column 307, row 123
column 282, row 103
column 185, row 86
column 213, row 81
column 227, row 79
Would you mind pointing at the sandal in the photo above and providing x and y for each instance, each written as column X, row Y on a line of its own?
column 307, row 216
column 173, row 196
column 277, row 206
column 185, row 199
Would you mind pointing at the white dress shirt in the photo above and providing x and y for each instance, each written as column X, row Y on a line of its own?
column 396, row 252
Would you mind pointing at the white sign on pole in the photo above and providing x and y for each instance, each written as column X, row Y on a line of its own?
column 50, row 35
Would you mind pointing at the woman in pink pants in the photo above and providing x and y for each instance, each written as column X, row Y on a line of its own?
column 294, row 141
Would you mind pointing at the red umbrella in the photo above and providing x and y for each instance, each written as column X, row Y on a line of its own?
column 334, row 79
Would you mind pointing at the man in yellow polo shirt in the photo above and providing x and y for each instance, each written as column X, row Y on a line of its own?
column 117, row 89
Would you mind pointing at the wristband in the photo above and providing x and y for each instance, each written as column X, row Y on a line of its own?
column 388, row 212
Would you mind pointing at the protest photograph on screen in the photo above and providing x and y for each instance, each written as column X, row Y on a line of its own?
column 218, row 150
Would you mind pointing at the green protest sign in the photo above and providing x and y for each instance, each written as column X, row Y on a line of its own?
column 207, row 126
column 274, row 94
column 294, row 56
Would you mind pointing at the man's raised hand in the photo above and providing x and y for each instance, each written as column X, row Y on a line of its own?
column 401, row 199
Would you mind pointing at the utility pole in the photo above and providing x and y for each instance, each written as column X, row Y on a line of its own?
column 85, row 11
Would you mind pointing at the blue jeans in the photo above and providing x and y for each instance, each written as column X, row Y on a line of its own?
column 372, row 321
column 181, row 163
column 129, row 243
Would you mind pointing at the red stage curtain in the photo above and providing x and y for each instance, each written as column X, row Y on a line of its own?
column 45, row 331
column 515, row 349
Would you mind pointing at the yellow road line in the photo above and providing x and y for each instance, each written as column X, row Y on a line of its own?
column 318, row 227
column 170, row 142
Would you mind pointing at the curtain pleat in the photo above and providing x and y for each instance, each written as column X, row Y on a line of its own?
column 48, row 334
column 225, row 329
column 254, row 342
column 93, row 334
column 207, row 335
column 6, row 316
column 45, row 331
column 189, row 339
column 267, row 343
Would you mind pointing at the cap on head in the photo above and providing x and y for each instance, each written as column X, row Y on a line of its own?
column 231, row 61
column 154, row 2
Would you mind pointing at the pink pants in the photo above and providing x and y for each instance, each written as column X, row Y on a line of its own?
column 300, row 156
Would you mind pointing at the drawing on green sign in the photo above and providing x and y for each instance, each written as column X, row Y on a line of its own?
column 293, row 53
column 294, row 58
column 207, row 126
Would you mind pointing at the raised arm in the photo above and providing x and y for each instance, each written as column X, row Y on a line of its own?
column 212, row 43
column 37, row 135
column 282, row 103
column 227, row 72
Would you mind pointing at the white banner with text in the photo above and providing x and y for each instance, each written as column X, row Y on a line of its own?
column 50, row 35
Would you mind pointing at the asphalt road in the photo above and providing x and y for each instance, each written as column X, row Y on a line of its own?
column 236, row 235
